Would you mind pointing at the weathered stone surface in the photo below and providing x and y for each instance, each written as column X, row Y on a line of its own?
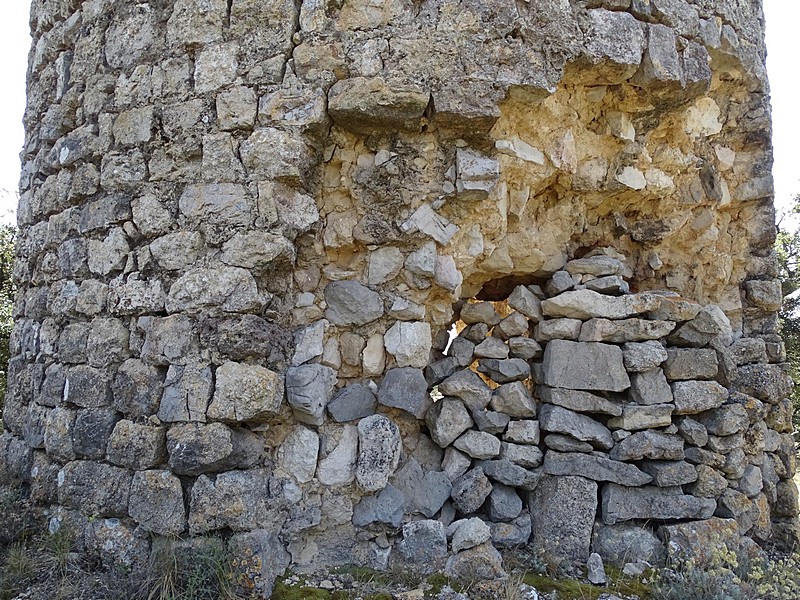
column 522, row 432
column 378, row 452
column 584, row 366
column 468, row 533
column 593, row 467
column 710, row 324
column 137, row 388
column 507, row 473
column 406, row 388
column 479, row 312
column 560, row 420
column 156, row 502
column 526, row 302
column 424, row 543
column 690, row 364
column 308, row 390
column 725, row 420
column 566, row 443
column 514, row 399
column 514, row 325
column 621, row 543
column 338, row 467
column 483, row 562
column 692, row 397
column 447, row 419
column 386, row 507
column 624, row 504
column 425, row 492
column 504, row 505
column 468, row 386
column 625, row 330
column 650, row 387
column 492, row 347
column 225, row 289
column 504, row 371
column 271, row 563
column 525, row 456
column 513, row 534
column 351, row 303
column 211, row 505
column 470, row 491
column 700, row 540
column 136, row 446
column 455, row 463
column 91, row 432
column 670, row 473
column 636, row 416
column 579, row 401
column 410, row 343
column 693, row 432
column 649, row 444
column 94, row 488
column 367, row 105
column 524, row 348
column 562, row 514
column 558, row 329
column 769, row 383
column 245, row 393
column 643, row 356
column 490, row 421
column 187, row 392
column 586, row 304
column 353, row 402
column 195, row 448
column 309, row 343
column 297, row 455
column 478, row 444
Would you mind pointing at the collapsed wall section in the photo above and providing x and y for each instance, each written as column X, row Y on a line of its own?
column 247, row 227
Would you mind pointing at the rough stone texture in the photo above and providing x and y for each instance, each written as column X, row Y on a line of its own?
column 562, row 515
column 625, row 542
column 378, row 452
column 584, row 366
column 624, row 504
column 470, row 490
column 218, row 197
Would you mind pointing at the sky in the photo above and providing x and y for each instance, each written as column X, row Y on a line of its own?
column 782, row 18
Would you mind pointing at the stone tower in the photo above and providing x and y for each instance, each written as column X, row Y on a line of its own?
column 248, row 227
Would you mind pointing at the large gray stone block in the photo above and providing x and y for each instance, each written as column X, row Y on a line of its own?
column 584, row 366
column 621, row 503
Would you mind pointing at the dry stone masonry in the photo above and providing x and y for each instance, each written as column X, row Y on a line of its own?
column 248, row 228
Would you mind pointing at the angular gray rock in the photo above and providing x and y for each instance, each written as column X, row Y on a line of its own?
column 386, row 507
column 245, row 393
column 492, row 347
column 406, row 388
column 156, row 502
column 470, row 491
column 623, row 542
column 351, row 303
column 352, row 402
column 297, row 455
column 594, row 467
column 562, row 511
column 621, row 503
column 526, row 302
column 137, row 388
column 643, row 356
column 579, row 401
column 566, row 443
column 560, row 420
column 512, row 534
column 468, row 533
column 524, row 348
column 514, row 400
column 769, row 383
column 584, row 366
column 649, row 444
column 95, row 489
column 425, row 491
column 728, row 419
column 670, row 473
column 650, row 387
column 624, row 330
column 447, row 419
column 636, row 416
column 468, row 386
column 479, row 312
column 586, row 304
column 187, row 393
column 455, row 463
column 514, row 325
column 478, row 444
column 522, row 432
column 504, row 504
column 410, row 343
column 596, row 573
column 424, row 543
column 690, row 363
column 692, row 397
column 490, row 421
column 378, row 452
column 308, row 390
column 339, row 467
column 481, row 563
column 507, row 473
column 505, row 371
column 195, row 448
column 693, row 432
column 137, row 446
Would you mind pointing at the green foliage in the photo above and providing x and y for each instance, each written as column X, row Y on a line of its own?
column 8, row 235
column 787, row 248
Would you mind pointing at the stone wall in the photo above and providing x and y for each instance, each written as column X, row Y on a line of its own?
column 248, row 227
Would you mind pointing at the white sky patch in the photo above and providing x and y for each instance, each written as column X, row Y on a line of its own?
column 782, row 17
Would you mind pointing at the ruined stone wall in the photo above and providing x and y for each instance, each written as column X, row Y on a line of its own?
column 247, row 227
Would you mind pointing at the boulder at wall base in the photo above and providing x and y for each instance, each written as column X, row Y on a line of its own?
column 563, row 510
